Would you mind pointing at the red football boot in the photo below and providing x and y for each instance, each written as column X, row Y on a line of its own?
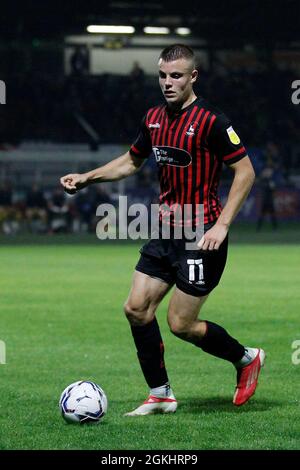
column 247, row 378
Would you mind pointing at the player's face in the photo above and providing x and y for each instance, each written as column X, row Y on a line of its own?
column 176, row 80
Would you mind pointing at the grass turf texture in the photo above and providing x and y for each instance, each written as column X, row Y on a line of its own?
column 62, row 321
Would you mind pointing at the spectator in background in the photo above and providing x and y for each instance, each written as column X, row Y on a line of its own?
column 10, row 211
column 79, row 61
column 36, row 209
column 5, row 204
column 84, row 210
column 137, row 74
column 5, row 195
column 267, row 185
column 59, row 212
column 136, row 89
column 100, row 196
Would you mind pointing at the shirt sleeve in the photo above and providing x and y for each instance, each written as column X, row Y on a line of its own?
column 225, row 142
column 142, row 146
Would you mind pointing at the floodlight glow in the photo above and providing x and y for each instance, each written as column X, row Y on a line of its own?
column 183, row 31
column 110, row 29
column 156, row 30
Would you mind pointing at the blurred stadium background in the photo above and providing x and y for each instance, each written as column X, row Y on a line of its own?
column 75, row 99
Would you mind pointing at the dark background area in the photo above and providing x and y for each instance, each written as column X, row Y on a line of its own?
column 231, row 23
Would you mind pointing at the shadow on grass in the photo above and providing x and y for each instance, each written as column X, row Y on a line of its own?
column 207, row 406
column 217, row 404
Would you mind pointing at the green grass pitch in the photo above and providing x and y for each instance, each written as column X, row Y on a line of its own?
column 61, row 320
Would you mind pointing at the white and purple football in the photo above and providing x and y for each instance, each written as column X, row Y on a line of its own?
column 83, row 402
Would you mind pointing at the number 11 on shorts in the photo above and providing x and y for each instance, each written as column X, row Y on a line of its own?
column 195, row 271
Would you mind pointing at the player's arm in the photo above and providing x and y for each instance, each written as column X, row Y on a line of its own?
column 119, row 168
column 242, row 183
column 244, row 177
column 228, row 148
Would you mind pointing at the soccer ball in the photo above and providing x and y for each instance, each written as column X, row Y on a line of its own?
column 83, row 402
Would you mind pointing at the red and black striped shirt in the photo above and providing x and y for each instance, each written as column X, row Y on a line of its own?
column 190, row 148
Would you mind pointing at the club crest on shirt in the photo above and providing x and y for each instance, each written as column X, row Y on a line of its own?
column 191, row 130
column 233, row 137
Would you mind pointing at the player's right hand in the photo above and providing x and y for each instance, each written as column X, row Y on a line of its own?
column 73, row 182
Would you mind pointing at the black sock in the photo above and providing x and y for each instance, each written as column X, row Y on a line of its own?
column 220, row 344
column 150, row 352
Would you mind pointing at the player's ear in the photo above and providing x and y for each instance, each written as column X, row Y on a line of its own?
column 194, row 76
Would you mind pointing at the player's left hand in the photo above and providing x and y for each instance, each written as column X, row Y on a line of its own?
column 213, row 238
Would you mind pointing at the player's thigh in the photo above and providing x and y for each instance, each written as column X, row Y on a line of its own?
column 144, row 297
column 183, row 309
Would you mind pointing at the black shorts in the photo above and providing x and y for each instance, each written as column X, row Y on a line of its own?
column 195, row 272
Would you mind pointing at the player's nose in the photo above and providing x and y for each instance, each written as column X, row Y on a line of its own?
column 168, row 82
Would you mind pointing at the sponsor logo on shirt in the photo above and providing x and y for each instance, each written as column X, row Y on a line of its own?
column 155, row 125
column 233, row 137
column 171, row 156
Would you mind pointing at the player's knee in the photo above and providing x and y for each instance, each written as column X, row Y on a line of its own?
column 178, row 327
column 138, row 314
